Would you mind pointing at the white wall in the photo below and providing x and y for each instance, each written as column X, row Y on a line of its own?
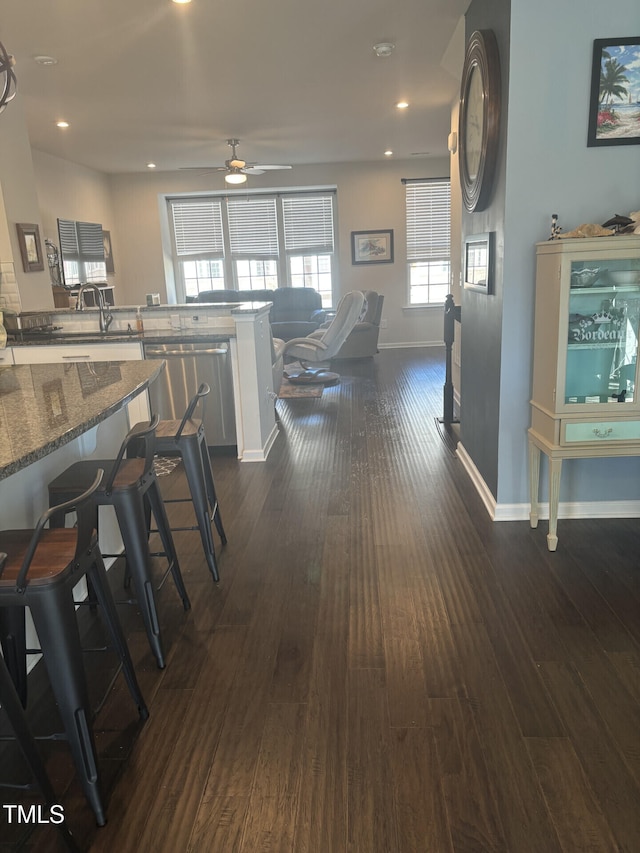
column 20, row 202
column 370, row 196
column 69, row 191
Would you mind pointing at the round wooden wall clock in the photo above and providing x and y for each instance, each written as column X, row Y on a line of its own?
column 479, row 121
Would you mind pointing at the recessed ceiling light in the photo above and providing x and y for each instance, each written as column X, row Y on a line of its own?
column 388, row 153
column 402, row 105
column 383, row 48
column 62, row 124
column 45, row 60
column 180, row 2
column 151, row 165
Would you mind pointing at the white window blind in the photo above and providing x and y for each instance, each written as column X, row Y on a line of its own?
column 253, row 226
column 428, row 219
column 197, row 227
column 308, row 223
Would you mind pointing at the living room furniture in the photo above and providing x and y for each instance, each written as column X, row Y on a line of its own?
column 585, row 370
column 42, row 568
column 186, row 438
column 362, row 341
column 323, row 344
column 295, row 312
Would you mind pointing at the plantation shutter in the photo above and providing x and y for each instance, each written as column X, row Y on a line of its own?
column 90, row 241
column 197, row 227
column 308, row 223
column 428, row 218
column 68, row 237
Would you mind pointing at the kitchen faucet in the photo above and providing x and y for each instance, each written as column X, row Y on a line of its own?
column 105, row 318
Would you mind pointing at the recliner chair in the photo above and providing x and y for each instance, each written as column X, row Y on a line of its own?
column 323, row 344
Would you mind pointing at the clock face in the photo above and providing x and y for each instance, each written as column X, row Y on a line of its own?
column 479, row 119
column 474, row 123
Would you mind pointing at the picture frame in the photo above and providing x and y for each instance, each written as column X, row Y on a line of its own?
column 372, row 247
column 478, row 262
column 614, row 105
column 30, row 247
column 108, row 252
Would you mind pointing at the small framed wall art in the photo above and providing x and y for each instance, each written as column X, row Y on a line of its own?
column 614, row 107
column 478, row 262
column 30, row 247
column 372, row 247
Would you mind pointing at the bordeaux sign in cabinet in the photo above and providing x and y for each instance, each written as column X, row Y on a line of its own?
column 586, row 386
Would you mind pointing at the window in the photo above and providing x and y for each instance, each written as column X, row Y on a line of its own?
column 254, row 242
column 309, row 242
column 428, row 240
column 82, row 249
column 199, row 247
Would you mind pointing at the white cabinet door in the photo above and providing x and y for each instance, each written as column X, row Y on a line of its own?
column 53, row 353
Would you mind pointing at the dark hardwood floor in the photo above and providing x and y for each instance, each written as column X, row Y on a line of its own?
column 382, row 669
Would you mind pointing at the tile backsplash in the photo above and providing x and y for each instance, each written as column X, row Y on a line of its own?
column 9, row 294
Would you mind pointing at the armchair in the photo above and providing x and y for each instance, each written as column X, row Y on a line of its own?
column 323, row 344
column 362, row 341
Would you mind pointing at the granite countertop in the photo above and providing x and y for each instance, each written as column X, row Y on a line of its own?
column 44, row 406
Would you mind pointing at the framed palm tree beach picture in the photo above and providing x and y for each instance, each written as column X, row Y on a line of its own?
column 614, row 109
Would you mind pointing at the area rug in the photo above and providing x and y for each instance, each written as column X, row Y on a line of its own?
column 164, row 465
column 289, row 391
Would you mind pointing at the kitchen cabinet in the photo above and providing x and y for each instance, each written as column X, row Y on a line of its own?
column 93, row 351
column 586, row 398
column 6, row 356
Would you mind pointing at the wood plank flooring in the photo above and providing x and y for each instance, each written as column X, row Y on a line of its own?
column 381, row 669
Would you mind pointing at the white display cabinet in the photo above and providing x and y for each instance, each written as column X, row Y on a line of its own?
column 586, row 398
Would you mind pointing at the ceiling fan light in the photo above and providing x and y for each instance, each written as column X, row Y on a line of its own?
column 235, row 178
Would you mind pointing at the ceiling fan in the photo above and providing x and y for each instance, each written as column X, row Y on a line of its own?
column 236, row 168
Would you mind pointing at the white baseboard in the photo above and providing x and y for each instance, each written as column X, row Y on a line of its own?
column 410, row 344
column 567, row 509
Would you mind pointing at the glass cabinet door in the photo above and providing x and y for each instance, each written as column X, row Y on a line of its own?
column 604, row 323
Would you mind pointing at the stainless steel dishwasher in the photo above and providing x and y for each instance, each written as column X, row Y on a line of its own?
column 188, row 365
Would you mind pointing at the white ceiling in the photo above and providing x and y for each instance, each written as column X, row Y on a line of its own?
column 296, row 80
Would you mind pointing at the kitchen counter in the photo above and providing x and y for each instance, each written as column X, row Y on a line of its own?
column 45, row 406
column 157, row 336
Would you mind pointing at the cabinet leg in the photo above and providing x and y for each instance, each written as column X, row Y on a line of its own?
column 555, row 470
column 534, row 482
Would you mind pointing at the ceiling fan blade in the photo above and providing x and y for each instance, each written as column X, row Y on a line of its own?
column 203, row 168
column 271, row 168
column 252, row 170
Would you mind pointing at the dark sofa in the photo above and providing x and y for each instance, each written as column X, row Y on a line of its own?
column 295, row 312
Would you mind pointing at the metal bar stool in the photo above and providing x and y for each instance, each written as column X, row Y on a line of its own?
column 129, row 484
column 41, row 570
column 14, row 711
column 187, row 439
